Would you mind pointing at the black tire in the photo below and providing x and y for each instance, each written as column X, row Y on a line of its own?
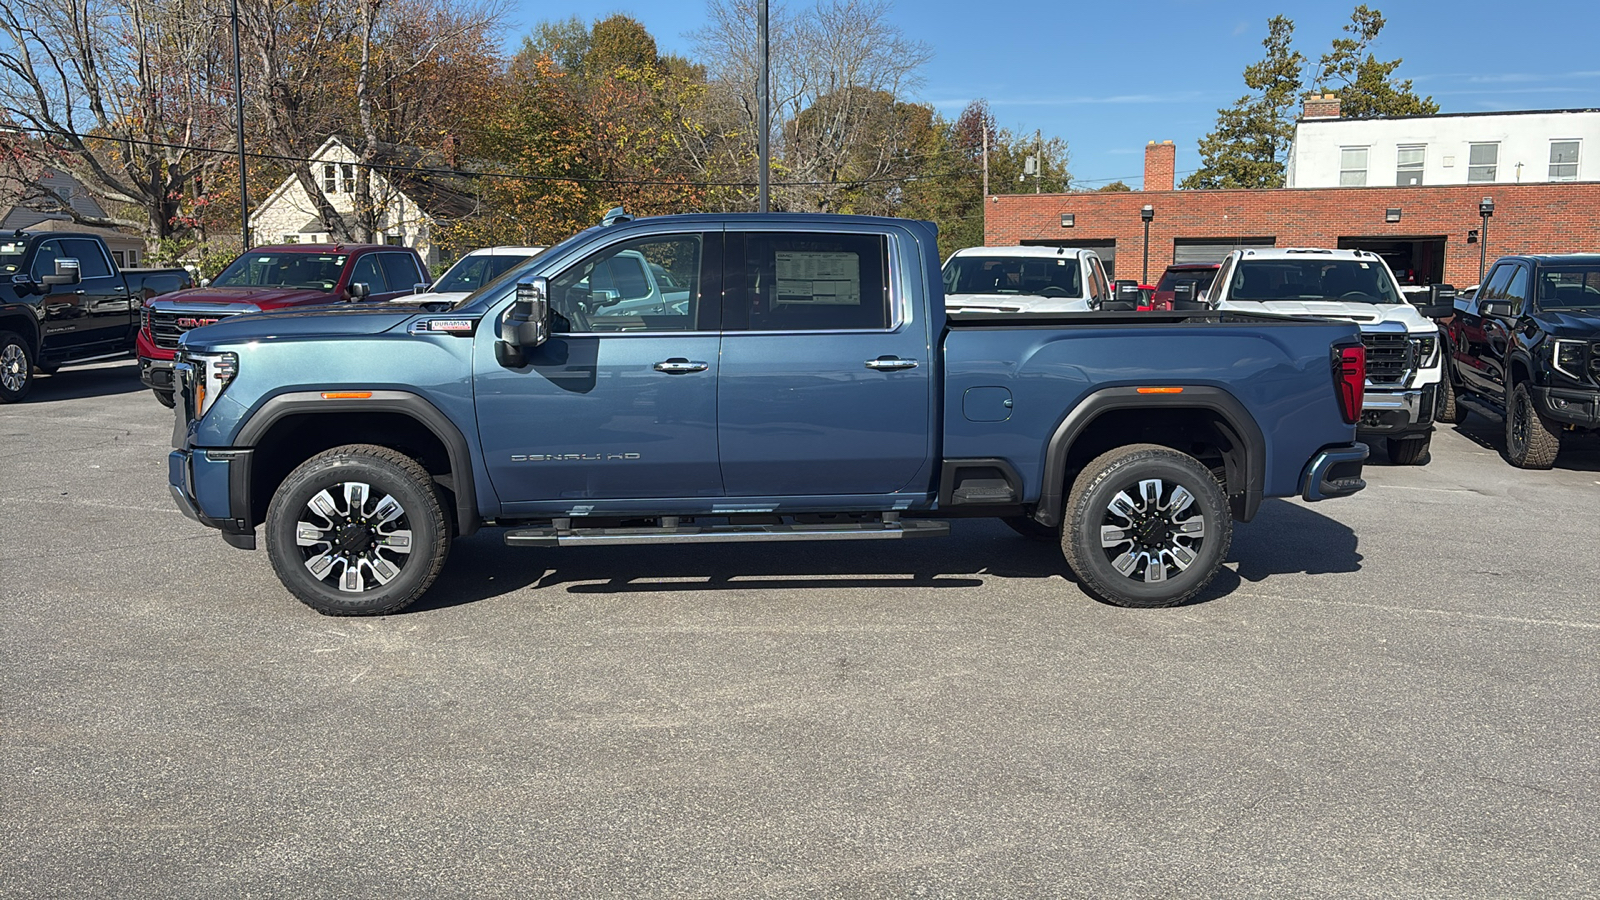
column 1032, row 530
column 1532, row 441
column 366, row 536
column 1115, row 478
column 165, row 398
column 1409, row 451
column 16, row 367
column 1449, row 410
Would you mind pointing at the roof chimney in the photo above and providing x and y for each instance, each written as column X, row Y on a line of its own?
column 1321, row 106
column 1160, row 162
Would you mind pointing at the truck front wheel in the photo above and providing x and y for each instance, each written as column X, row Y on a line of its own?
column 1146, row 526
column 1409, row 451
column 1532, row 441
column 358, row 530
column 165, row 398
column 16, row 367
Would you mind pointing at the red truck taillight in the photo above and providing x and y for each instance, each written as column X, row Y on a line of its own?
column 1350, row 379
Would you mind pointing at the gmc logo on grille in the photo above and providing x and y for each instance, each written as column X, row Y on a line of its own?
column 191, row 322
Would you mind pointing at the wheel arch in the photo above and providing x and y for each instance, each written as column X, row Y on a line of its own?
column 1104, row 419
column 23, row 324
column 291, row 428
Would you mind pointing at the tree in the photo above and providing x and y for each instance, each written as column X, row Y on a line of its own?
column 1365, row 86
column 1249, row 146
column 1113, row 188
column 118, row 95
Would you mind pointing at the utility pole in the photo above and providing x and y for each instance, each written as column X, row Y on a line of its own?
column 1038, row 154
column 763, row 101
column 238, row 137
column 986, row 160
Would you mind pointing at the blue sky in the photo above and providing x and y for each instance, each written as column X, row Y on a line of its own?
column 1108, row 77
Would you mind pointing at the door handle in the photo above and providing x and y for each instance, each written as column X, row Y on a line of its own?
column 891, row 363
column 680, row 366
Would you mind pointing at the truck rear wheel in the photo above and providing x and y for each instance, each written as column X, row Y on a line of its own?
column 1532, row 442
column 1449, row 410
column 358, row 530
column 1146, row 526
column 16, row 367
column 165, row 398
column 1409, row 451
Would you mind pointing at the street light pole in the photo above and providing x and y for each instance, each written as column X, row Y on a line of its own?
column 1146, row 212
column 764, row 102
column 1485, row 210
column 238, row 105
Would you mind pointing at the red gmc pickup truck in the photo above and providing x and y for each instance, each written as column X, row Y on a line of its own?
column 288, row 275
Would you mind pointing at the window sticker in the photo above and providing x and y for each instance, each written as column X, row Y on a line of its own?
column 817, row 279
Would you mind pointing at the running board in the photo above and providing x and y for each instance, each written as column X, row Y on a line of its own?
column 1480, row 407
column 721, row 534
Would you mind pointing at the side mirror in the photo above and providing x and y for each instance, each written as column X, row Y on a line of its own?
column 205, row 282
column 1185, row 295
column 420, row 287
column 23, row 284
column 1128, row 297
column 360, row 291
column 1438, row 303
column 1495, row 309
column 67, row 272
column 526, row 324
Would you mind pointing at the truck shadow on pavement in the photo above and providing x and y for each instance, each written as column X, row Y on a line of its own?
column 105, row 380
column 1579, row 452
column 1285, row 538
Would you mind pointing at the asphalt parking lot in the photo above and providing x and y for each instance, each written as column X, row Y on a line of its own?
column 1393, row 695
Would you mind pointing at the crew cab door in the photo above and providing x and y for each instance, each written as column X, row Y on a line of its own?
column 1484, row 341
column 106, row 306
column 826, row 381
column 619, row 403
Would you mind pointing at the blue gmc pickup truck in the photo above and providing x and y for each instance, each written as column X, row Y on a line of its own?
column 800, row 381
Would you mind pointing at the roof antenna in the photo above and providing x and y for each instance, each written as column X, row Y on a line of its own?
column 616, row 214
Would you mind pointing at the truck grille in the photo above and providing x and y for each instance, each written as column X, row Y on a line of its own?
column 1389, row 358
column 166, row 327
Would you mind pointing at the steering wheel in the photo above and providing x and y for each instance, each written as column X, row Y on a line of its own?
column 1054, row 291
column 575, row 312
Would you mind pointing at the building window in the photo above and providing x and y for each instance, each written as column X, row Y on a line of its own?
column 119, row 259
column 395, row 240
column 349, row 173
column 1563, row 160
column 329, row 183
column 1352, row 166
column 291, row 239
column 1408, row 165
column 1481, row 160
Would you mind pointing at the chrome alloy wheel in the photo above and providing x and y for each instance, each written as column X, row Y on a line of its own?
column 13, row 368
column 1153, row 536
column 363, row 541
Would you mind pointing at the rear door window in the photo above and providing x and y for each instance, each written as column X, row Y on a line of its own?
column 400, row 271
column 812, row 282
column 91, row 259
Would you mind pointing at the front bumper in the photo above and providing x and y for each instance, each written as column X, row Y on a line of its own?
column 1573, row 406
column 157, row 374
column 1397, row 412
column 212, row 488
column 1333, row 472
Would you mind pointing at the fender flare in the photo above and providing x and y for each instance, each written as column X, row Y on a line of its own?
column 1242, row 430
column 404, row 402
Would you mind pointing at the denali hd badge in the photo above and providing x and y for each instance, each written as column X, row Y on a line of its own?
column 572, row 457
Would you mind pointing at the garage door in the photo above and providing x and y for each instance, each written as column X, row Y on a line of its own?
column 1212, row 250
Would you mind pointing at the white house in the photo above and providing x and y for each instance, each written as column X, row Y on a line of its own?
column 413, row 197
column 1456, row 148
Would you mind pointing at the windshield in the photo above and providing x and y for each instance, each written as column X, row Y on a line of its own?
column 1569, row 287
column 313, row 271
column 11, row 257
column 473, row 272
column 1201, row 278
column 1358, row 280
column 1042, row 276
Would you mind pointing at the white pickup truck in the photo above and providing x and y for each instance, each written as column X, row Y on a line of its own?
column 469, row 273
column 1024, row 280
column 1403, row 352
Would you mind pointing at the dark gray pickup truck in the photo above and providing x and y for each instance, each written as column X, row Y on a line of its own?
column 63, row 301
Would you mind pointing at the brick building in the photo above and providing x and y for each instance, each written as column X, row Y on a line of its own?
column 1428, row 233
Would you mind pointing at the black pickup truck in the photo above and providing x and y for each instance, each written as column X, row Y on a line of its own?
column 1526, row 350
column 63, row 300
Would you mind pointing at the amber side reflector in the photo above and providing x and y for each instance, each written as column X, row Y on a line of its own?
column 346, row 395
column 1172, row 390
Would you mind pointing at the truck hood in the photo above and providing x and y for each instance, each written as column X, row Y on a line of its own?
column 255, row 297
column 1022, row 303
column 341, row 320
column 448, row 297
column 1583, row 324
column 1349, row 311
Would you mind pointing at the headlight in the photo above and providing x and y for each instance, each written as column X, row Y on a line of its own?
column 210, row 374
column 1569, row 358
column 1427, row 351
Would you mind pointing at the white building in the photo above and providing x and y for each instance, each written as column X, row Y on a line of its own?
column 412, row 198
column 1458, row 148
